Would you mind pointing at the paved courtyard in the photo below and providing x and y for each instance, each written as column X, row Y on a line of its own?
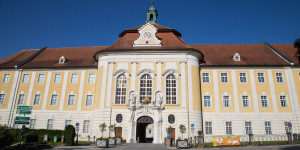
column 150, row 146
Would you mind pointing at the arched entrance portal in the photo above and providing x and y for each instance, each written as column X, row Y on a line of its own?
column 141, row 126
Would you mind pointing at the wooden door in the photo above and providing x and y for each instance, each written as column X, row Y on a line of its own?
column 118, row 131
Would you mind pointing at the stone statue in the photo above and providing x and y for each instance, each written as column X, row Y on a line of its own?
column 132, row 98
column 158, row 98
column 132, row 116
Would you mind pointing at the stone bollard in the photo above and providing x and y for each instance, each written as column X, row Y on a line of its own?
column 63, row 139
column 88, row 140
column 200, row 139
column 251, row 139
column 289, row 136
column 46, row 138
column 94, row 139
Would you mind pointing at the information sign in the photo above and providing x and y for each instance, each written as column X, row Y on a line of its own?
column 77, row 124
column 24, row 108
column 192, row 125
column 20, row 111
column 21, row 122
column 22, row 118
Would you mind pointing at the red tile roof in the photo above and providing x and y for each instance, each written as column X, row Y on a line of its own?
column 287, row 50
column 10, row 61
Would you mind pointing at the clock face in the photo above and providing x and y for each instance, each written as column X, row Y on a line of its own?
column 147, row 35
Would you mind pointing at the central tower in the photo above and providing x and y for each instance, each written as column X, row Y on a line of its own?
column 152, row 14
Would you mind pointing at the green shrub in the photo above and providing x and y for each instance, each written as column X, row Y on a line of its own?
column 69, row 134
column 6, row 137
column 32, row 136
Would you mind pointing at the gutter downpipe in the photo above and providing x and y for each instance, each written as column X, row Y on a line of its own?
column 11, row 113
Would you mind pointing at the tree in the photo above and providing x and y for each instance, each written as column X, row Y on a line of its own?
column 6, row 137
column 102, row 128
column 69, row 134
column 170, row 129
column 182, row 130
column 297, row 45
column 111, row 129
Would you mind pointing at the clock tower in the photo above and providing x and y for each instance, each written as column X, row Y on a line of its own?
column 152, row 14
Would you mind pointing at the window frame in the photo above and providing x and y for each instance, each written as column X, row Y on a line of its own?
column 119, row 97
column 259, row 78
column 229, row 101
column 55, row 101
column 285, row 101
column 55, row 78
column 86, row 100
column 175, row 74
column 37, row 103
column 208, row 128
column 74, row 78
column 32, row 124
column 50, row 125
column 205, row 79
column 209, row 100
column 117, row 74
column 2, row 100
column 287, row 128
column 68, row 103
column 67, row 123
column 5, row 78
column 19, row 99
column 224, row 77
column 248, row 127
column 268, row 128
column 243, row 79
column 26, row 78
column 247, row 100
column 140, row 75
column 92, row 79
column 278, row 78
column 86, row 126
column 41, row 78
column 228, row 129
column 267, row 101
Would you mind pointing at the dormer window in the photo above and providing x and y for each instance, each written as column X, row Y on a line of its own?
column 62, row 60
column 236, row 57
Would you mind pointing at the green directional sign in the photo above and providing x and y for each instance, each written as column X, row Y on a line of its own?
column 22, row 118
column 24, row 108
column 28, row 112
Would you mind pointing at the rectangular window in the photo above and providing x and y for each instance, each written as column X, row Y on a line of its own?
column 228, row 128
column 279, row 77
column 261, row 77
column 2, row 98
column 53, row 101
column 248, row 127
column 208, row 128
column 264, row 101
column 245, row 101
column 57, row 78
column 50, row 124
column 92, row 77
column 283, row 102
column 37, row 98
column 25, row 78
column 32, row 123
column 224, row 77
column 71, row 100
column 268, row 127
column 41, row 78
column 6, row 78
column 288, row 127
column 226, row 101
column 68, row 122
column 207, row 101
column 74, row 78
column 89, row 100
column 86, row 126
column 21, row 99
column 243, row 78
column 205, row 77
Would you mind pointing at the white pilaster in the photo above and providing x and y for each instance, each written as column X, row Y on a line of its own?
column 254, row 93
column 216, row 91
column 235, row 92
column 133, row 74
column 109, row 85
column 14, row 88
column 158, row 63
column 80, row 96
column 273, row 94
column 63, row 92
column 183, row 84
column 30, row 88
column 46, row 91
column 103, row 63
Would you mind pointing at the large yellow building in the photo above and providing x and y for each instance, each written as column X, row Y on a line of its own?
column 151, row 76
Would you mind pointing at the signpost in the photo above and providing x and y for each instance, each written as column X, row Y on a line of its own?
column 77, row 129
column 23, row 110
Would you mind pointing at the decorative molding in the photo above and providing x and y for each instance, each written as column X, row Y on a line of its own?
column 146, row 71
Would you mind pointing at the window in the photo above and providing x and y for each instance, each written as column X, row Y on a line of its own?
column 25, row 78
column 50, row 124
column 207, row 101
column 53, row 101
column 279, row 78
column 121, row 89
column 245, row 101
column 2, row 98
column 86, row 126
column 171, row 89
column 288, row 127
column 37, row 98
column 264, row 101
column 224, row 77
column 57, row 78
column 283, row 102
column 226, row 101
column 228, row 128
column 145, row 89
column 171, row 119
column 268, row 127
column 89, row 100
column 68, row 122
column 32, row 123
column 243, row 78
column 41, row 78
column 261, row 77
column 92, row 77
column 21, row 99
column 208, row 128
column 6, row 78
column 205, row 77
column 248, row 127
column 71, row 100
column 74, row 78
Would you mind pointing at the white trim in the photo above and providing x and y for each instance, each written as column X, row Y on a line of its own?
column 133, row 77
column 63, row 92
column 248, row 99
column 176, row 75
column 109, row 85
column 254, row 93
column 210, row 100
column 272, row 89
column 69, row 98
column 116, row 76
column 39, row 99
column 30, row 88
column 103, row 86
column 89, row 94
column 235, row 92
column 216, row 91
column 245, row 77
column 263, row 77
column 226, row 77
column 152, row 75
column 229, row 101
column 205, row 76
column 4, row 97
column 13, row 91
column 159, row 75
column 51, row 99
column 81, row 90
column 183, row 84
column 4, row 78
column 46, row 91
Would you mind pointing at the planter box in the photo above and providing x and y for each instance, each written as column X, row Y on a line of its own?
column 119, row 140
column 181, row 144
column 102, row 143
column 112, row 141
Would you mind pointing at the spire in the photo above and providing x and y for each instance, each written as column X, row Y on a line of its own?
column 152, row 14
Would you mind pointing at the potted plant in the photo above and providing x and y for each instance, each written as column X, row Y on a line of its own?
column 169, row 139
column 182, row 143
column 102, row 142
column 118, row 140
column 111, row 140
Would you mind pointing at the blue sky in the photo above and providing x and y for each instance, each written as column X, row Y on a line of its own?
column 32, row 24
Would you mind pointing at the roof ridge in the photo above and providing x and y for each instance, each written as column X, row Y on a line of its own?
column 280, row 55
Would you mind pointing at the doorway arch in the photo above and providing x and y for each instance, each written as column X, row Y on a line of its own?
column 142, row 123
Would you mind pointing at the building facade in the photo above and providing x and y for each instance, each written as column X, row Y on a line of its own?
column 151, row 79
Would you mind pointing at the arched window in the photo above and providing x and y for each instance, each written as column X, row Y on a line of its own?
column 145, row 89
column 171, row 89
column 121, row 89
